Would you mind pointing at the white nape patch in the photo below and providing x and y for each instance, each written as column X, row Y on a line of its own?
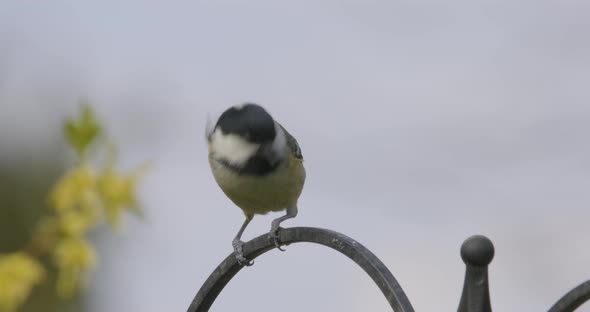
column 279, row 145
column 232, row 148
column 239, row 106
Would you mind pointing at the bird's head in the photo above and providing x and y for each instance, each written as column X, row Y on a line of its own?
column 243, row 132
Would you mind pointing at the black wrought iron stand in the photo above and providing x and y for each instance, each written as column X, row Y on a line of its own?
column 477, row 253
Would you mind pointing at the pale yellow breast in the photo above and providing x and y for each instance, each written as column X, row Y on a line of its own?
column 260, row 195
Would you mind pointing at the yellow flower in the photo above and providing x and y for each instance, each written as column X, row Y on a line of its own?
column 74, row 189
column 19, row 273
column 117, row 192
column 73, row 257
column 76, row 223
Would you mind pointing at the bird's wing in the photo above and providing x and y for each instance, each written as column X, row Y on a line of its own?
column 292, row 144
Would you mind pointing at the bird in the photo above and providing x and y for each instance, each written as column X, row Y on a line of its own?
column 258, row 164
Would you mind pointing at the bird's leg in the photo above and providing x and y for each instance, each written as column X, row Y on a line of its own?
column 237, row 243
column 275, row 225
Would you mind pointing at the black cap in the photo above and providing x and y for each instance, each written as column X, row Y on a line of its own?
column 249, row 121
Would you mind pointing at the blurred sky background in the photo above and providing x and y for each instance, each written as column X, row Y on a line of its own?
column 421, row 123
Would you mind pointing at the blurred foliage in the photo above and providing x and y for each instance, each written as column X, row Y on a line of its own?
column 56, row 247
column 19, row 272
column 83, row 132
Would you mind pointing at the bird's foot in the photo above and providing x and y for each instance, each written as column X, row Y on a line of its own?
column 274, row 234
column 239, row 251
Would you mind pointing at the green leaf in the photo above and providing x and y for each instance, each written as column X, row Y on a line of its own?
column 81, row 133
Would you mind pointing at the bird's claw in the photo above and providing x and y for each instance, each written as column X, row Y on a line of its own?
column 238, row 250
column 274, row 235
column 244, row 261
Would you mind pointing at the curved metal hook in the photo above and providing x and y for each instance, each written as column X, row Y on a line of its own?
column 573, row 299
column 339, row 242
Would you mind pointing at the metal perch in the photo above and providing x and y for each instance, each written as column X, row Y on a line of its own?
column 477, row 253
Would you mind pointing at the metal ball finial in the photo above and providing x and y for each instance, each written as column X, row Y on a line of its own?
column 477, row 250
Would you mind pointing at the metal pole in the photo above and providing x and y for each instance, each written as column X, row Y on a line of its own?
column 477, row 253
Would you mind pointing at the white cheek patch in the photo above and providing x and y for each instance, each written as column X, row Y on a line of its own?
column 232, row 148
